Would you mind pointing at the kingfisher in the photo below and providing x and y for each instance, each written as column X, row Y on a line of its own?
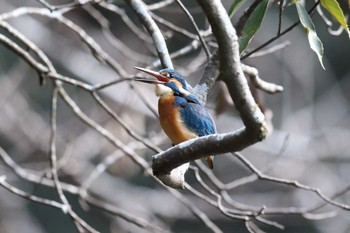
column 181, row 114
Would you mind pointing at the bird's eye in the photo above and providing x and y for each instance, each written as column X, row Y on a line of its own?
column 166, row 74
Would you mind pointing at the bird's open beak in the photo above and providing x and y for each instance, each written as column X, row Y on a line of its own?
column 161, row 79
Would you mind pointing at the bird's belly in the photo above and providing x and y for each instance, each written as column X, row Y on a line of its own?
column 171, row 122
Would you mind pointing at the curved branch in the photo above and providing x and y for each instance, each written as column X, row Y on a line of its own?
column 253, row 73
column 230, row 66
column 141, row 11
column 197, row 148
column 95, row 48
column 128, row 22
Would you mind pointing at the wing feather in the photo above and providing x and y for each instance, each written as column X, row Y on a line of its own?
column 196, row 117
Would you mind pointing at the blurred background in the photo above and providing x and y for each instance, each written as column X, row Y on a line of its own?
column 310, row 122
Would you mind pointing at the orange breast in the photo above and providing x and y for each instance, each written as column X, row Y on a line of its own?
column 171, row 122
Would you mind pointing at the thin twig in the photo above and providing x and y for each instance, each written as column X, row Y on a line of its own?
column 188, row 14
column 105, row 133
column 173, row 27
column 30, row 196
column 138, row 32
column 181, row 52
column 329, row 23
column 270, row 50
column 53, row 164
column 126, row 127
column 126, row 215
column 100, row 86
column 118, row 44
column 293, row 183
column 281, row 6
column 158, row 5
column 95, row 48
column 24, row 54
column 197, row 212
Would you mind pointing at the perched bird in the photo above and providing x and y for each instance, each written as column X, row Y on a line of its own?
column 181, row 115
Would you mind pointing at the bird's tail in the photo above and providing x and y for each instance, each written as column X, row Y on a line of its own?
column 210, row 161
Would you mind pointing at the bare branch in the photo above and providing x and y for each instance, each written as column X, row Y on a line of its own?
column 118, row 44
column 158, row 5
column 294, row 183
column 122, row 213
column 270, row 88
column 89, row 41
column 31, row 197
column 138, row 32
column 24, row 54
column 197, row 212
column 181, row 52
column 126, row 127
column 141, row 11
column 270, row 50
column 53, row 164
column 205, row 47
column 281, row 7
column 68, row 5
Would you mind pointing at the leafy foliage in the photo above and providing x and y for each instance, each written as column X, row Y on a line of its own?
column 252, row 25
column 332, row 6
column 315, row 42
column 235, row 6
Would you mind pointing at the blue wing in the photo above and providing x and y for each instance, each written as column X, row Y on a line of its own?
column 195, row 116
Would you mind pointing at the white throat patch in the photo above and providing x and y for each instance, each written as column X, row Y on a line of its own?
column 161, row 90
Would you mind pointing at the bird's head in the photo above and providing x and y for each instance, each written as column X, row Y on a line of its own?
column 167, row 81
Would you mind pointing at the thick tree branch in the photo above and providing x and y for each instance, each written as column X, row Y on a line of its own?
column 230, row 66
column 199, row 147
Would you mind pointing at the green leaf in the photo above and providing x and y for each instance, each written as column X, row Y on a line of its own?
column 252, row 25
column 332, row 6
column 236, row 4
column 314, row 41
